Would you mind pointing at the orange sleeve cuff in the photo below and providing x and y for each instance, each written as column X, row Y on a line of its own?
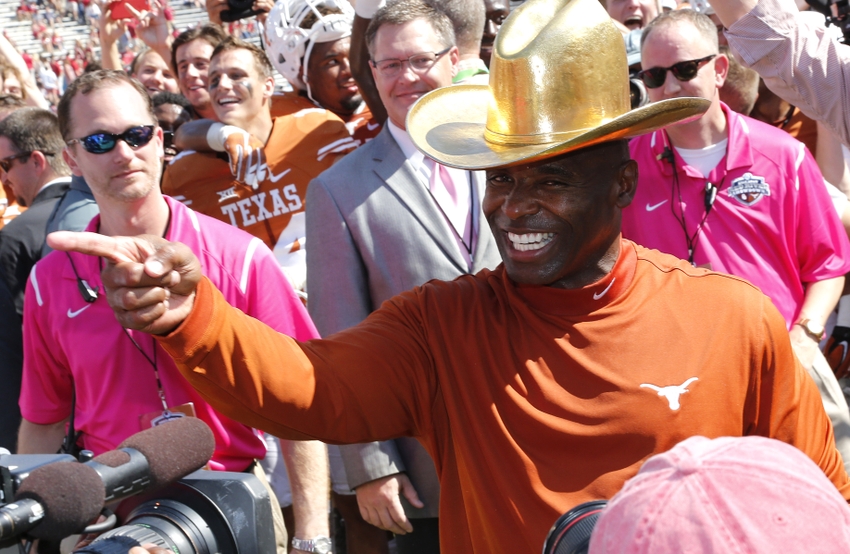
column 191, row 337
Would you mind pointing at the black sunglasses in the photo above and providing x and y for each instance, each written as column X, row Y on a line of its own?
column 6, row 163
column 654, row 77
column 101, row 143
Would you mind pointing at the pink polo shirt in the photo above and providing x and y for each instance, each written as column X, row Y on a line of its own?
column 772, row 222
column 68, row 342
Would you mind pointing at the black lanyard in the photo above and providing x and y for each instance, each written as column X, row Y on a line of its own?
column 710, row 192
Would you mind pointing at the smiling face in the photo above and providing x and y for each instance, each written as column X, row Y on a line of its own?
column 557, row 222
column 238, row 92
column 634, row 14
column 154, row 74
column 124, row 174
column 193, row 60
column 329, row 74
column 401, row 91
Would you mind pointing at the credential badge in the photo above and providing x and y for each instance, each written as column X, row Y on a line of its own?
column 748, row 189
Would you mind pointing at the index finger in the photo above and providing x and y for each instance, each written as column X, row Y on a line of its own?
column 140, row 15
column 92, row 244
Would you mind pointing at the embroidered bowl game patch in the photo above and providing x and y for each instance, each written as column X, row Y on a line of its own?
column 748, row 189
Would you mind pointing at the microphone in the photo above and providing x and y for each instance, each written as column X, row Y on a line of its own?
column 69, row 495
column 710, row 196
column 64, row 497
column 155, row 457
column 666, row 155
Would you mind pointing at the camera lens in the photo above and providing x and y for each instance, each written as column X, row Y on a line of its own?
column 571, row 532
column 637, row 93
column 165, row 523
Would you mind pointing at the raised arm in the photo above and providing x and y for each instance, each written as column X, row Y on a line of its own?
column 153, row 30
column 798, row 60
column 730, row 11
column 110, row 31
column 359, row 58
column 33, row 95
column 372, row 382
column 244, row 151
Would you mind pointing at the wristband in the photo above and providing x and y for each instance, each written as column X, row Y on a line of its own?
column 367, row 8
column 218, row 133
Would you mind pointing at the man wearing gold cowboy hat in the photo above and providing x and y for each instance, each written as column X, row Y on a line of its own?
column 541, row 384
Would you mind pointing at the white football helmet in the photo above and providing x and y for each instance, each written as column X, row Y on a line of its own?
column 287, row 43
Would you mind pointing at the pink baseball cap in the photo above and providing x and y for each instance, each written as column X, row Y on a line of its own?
column 748, row 495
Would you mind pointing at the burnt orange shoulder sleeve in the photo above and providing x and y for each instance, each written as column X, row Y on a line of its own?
column 786, row 404
column 371, row 382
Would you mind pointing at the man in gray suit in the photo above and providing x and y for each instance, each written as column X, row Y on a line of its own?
column 381, row 221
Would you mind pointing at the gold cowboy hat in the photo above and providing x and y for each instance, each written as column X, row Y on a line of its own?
column 558, row 82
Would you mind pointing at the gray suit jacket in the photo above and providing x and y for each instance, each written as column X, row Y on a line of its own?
column 373, row 232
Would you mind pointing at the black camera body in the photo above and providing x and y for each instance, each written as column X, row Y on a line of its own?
column 238, row 9
column 206, row 512
column 837, row 13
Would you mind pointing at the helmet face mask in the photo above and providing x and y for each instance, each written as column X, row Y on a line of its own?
column 288, row 44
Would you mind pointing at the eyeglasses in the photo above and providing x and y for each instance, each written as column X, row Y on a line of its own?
column 420, row 63
column 101, row 143
column 654, row 77
column 6, row 163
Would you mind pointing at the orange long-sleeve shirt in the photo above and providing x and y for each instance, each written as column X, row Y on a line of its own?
column 530, row 399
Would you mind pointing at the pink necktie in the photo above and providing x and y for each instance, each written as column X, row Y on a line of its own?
column 445, row 192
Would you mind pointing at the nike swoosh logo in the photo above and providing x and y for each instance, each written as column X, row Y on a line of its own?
column 601, row 294
column 656, row 206
column 275, row 178
column 72, row 315
column 372, row 126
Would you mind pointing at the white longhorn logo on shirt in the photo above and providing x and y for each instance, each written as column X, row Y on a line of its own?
column 671, row 393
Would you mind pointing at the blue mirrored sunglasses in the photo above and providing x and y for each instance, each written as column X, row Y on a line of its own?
column 101, row 143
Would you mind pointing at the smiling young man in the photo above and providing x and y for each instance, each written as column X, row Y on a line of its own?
column 190, row 58
column 548, row 381
column 308, row 43
column 269, row 204
column 731, row 193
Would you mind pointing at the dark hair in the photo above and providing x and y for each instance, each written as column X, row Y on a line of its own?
column 405, row 11
column 92, row 66
column 261, row 61
column 210, row 32
column 311, row 18
column 34, row 129
column 96, row 80
column 701, row 22
column 468, row 18
column 161, row 98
